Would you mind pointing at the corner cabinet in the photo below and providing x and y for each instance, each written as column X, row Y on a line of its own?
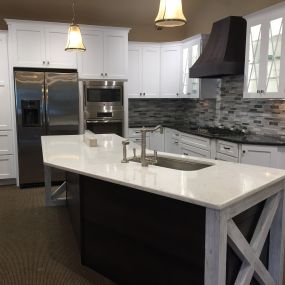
column 143, row 71
column 35, row 44
column 194, row 88
column 106, row 55
column 265, row 54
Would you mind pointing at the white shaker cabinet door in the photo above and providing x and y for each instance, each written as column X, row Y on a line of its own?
column 115, row 54
column 91, row 62
column 135, row 72
column 5, row 102
column 151, row 72
column 259, row 155
column 28, row 44
column 7, row 167
column 56, row 56
column 170, row 71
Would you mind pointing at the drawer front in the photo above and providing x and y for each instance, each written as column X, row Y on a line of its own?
column 138, row 141
column 7, row 170
column 227, row 148
column 225, row 157
column 196, row 141
column 171, row 133
column 134, row 132
column 6, row 143
column 194, row 151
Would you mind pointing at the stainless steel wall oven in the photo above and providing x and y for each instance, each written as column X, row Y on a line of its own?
column 103, row 106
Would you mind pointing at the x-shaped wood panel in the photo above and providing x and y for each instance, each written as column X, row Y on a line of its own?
column 250, row 253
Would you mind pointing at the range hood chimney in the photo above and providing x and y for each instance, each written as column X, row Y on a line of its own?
column 224, row 53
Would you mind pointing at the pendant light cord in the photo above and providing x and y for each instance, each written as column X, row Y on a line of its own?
column 73, row 11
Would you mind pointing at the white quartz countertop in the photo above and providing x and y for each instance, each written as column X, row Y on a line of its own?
column 217, row 186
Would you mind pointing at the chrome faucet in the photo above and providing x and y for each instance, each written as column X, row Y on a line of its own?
column 144, row 130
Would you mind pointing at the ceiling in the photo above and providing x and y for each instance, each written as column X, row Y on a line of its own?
column 136, row 14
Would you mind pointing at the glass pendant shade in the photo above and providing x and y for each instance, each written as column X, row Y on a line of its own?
column 170, row 14
column 74, row 40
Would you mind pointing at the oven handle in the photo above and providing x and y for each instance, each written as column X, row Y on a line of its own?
column 103, row 121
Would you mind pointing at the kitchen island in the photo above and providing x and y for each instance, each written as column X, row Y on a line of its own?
column 155, row 225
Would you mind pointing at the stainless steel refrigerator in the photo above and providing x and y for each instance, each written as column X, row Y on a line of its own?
column 47, row 103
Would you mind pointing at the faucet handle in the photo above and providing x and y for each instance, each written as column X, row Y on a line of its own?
column 135, row 152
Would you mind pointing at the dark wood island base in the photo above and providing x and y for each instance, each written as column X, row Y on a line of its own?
column 137, row 238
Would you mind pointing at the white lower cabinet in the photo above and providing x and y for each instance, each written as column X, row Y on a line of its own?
column 227, row 151
column 194, row 151
column 260, row 155
column 172, row 141
column 6, row 142
column 135, row 137
column 225, row 157
column 156, row 141
column 7, row 170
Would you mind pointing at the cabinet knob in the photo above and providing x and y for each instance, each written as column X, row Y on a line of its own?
column 47, row 62
column 140, row 94
column 143, row 94
column 177, row 94
column 44, row 62
column 106, row 74
column 243, row 151
column 102, row 74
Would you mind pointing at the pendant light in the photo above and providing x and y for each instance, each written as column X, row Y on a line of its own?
column 170, row 14
column 74, row 39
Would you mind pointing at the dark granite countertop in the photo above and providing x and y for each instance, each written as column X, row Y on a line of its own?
column 243, row 139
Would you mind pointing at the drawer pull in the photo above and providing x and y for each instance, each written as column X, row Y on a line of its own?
column 227, row 148
column 185, row 153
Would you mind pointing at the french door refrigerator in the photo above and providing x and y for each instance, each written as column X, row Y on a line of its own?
column 47, row 103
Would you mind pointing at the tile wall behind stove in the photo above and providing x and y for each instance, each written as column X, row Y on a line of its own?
column 259, row 116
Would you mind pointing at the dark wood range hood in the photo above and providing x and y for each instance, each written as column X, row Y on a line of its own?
column 224, row 53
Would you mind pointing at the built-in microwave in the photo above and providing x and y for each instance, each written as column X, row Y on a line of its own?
column 103, row 100
column 103, row 106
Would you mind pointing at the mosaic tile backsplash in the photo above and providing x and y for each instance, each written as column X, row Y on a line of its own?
column 265, row 117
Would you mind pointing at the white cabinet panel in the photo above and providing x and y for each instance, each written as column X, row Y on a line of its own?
column 91, row 62
column 151, row 71
column 28, row 44
column 5, row 100
column 144, row 71
column 7, row 167
column 225, row 157
column 170, row 71
column 6, row 142
column 56, row 56
column 172, row 141
column 259, row 155
column 227, row 148
column 194, row 151
column 135, row 72
column 115, row 54
column 156, row 141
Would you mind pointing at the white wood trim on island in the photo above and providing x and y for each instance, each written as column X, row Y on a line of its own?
column 225, row 189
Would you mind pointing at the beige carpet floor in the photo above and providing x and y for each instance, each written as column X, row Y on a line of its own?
column 37, row 244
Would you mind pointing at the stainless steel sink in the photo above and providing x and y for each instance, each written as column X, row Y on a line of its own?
column 176, row 163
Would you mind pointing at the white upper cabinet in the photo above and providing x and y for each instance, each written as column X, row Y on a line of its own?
column 40, row 45
column 5, row 102
column 170, row 70
column 91, row 62
column 56, row 56
column 194, row 88
column 106, row 55
column 265, row 53
column 143, row 71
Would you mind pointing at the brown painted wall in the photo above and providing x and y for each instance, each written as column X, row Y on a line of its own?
column 208, row 11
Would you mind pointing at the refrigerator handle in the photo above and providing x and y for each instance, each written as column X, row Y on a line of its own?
column 43, row 119
column 47, row 110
